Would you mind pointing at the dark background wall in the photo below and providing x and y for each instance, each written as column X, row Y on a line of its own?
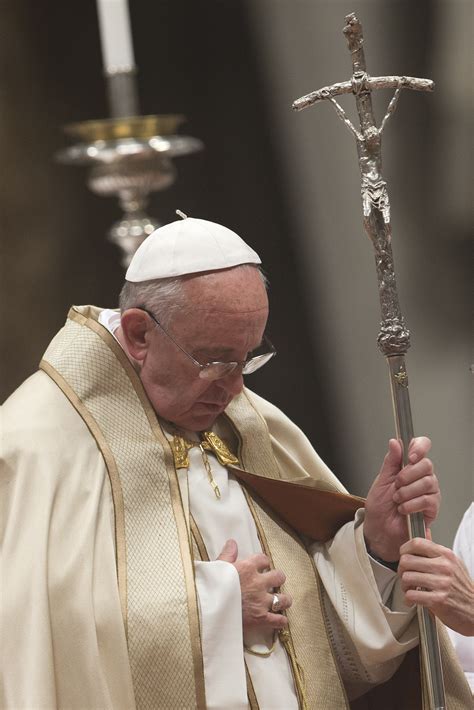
column 195, row 58
column 288, row 184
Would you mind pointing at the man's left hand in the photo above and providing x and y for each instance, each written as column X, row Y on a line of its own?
column 397, row 492
column 433, row 576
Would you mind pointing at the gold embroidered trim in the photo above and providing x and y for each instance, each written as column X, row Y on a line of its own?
column 220, row 448
column 114, row 478
column 255, row 451
column 263, row 654
column 284, row 634
column 252, row 697
column 297, row 669
column 325, row 620
column 176, row 502
column 196, row 533
column 180, row 447
column 209, row 441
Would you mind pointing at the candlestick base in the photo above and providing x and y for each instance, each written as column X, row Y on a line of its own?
column 130, row 157
column 130, row 231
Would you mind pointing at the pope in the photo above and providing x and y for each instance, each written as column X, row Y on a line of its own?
column 139, row 568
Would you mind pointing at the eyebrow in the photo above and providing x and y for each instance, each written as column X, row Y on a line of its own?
column 207, row 352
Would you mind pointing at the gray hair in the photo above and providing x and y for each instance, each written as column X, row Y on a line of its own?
column 164, row 297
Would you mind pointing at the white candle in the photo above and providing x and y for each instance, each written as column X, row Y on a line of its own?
column 115, row 35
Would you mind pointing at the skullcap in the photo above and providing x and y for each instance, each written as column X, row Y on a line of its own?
column 188, row 246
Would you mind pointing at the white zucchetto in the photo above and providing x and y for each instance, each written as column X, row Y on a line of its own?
column 188, row 246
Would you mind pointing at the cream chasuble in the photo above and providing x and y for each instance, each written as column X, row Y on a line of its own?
column 103, row 603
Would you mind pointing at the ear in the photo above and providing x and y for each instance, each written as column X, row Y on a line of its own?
column 136, row 329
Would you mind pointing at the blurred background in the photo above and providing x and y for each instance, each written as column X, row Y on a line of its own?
column 287, row 183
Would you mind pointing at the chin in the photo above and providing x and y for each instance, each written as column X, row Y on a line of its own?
column 198, row 422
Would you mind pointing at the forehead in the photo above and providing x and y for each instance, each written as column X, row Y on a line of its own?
column 232, row 291
column 224, row 310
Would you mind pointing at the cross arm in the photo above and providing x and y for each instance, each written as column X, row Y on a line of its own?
column 369, row 83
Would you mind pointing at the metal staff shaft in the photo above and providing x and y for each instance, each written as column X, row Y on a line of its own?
column 394, row 338
column 430, row 653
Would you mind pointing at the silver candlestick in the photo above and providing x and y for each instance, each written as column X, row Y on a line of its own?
column 131, row 157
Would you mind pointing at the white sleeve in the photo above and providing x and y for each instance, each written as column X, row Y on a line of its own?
column 463, row 548
column 220, row 612
column 370, row 627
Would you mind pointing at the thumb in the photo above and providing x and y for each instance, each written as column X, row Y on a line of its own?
column 229, row 552
column 428, row 534
column 392, row 461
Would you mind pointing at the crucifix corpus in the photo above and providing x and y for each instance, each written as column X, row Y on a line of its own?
column 394, row 338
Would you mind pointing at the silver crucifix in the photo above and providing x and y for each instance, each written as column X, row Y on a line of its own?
column 394, row 337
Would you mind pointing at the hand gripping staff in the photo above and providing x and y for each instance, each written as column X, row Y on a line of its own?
column 394, row 338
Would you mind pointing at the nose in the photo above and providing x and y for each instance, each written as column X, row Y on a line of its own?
column 233, row 383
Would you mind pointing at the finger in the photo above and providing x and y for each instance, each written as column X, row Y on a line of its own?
column 425, row 581
column 413, row 472
column 392, row 461
column 229, row 552
column 413, row 563
column 276, row 621
column 418, row 448
column 423, row 597
column 422, row 547
column 261, row 562
column 426, row 504
column 284, row 602
column 421, row 486
column 273, row 579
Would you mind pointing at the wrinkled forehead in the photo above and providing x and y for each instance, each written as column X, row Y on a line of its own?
column 235, row 290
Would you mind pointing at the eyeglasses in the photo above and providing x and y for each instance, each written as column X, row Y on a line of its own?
column 216, row 370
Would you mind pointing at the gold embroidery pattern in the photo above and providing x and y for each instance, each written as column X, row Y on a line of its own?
column 153, row 547
column 221, row 450
column 307, row 637
column 209, row 442
column 180, row 450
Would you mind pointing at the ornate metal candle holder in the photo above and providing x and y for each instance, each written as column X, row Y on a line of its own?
column 131, row 157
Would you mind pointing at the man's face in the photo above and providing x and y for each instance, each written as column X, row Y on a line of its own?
column 225, row 322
